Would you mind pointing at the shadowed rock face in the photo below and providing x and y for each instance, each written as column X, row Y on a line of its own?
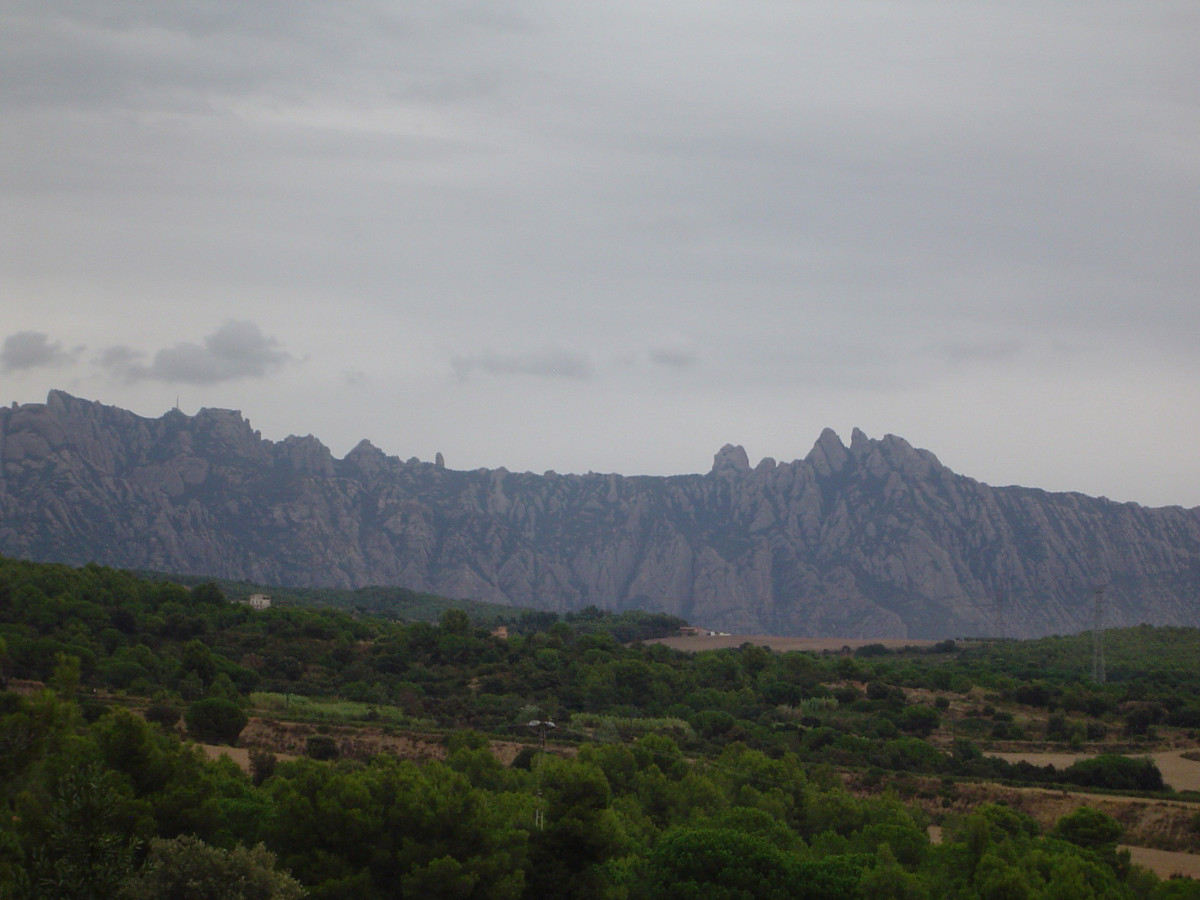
column 877, row 539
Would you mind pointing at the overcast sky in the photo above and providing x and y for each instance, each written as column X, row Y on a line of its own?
column 616, row 236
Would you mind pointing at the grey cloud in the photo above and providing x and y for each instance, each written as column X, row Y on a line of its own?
column 32, row 350
column 545, row 363
column 675, row 354
column 120, row 359
column 235, row 350
column 977, row 351
column 201, row 55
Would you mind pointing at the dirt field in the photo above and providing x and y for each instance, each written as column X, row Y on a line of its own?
column 1181, row 774
column 287, row 741
column 239, row 755
column 1165, row 863
column 782, row 644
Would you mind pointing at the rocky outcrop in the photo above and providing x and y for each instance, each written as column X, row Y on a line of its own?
column 874, row 539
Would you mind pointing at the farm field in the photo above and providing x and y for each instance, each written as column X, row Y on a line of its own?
column 1166, row 863
column 1180, row 773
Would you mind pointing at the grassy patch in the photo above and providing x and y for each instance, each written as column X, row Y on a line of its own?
column 329, row 710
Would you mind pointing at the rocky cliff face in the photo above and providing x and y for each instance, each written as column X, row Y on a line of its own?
column 876, row 539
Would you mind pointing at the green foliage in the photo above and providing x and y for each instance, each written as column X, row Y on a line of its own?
column 186, row 868
column 455, row 621
column 163, row 713
column 215, row 720
column 708, row 774
column 1115, row 772
column 1090, row 828
column 717, row 864
column 321, row 746
column 77, row 848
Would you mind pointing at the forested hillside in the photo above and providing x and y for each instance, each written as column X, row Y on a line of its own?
column 737, row 773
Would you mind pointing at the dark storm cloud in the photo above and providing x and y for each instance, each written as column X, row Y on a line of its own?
column 235, row 350
column 545, row 363
column 33, row 350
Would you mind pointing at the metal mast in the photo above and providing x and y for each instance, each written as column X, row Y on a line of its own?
column 539, row 814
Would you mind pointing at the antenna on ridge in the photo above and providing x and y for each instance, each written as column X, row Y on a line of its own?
column 1098, row 634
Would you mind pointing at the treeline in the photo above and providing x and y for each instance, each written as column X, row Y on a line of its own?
column 384, row 602
column 191, row 653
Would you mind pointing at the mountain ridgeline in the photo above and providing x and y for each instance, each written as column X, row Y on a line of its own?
column 876, row 539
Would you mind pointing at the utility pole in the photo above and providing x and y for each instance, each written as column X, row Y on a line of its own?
column 539, row 812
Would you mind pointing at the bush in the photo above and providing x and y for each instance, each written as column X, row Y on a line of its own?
column 1032, row 695
column 189, row 869
column 524, row 758
column 868, row 651
column 919, row 720
column 162, row 713
column 1057, row 728
column 262, row 765
column 1115, row 772
column 321, row 746
column 1090, row 828
column 215, row 720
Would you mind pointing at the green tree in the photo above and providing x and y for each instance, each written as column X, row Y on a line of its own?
column 455, row 621
column 65, row 680
column 580, row 834
column 197, row 658
column 215, row 720
column 717, row 864
column 887, row 880
column 186, row 868
column 208, row 594
column 1090, row 828
column 80, row 849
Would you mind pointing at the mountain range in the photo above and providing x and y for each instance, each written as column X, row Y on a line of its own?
column 868, row 540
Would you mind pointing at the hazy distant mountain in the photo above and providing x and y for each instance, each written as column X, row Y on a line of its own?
column 871, row 540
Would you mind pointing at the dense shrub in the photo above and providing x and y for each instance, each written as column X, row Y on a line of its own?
column 321, row 746
column 215, row 720
column 163, row 713
column 1115, row 772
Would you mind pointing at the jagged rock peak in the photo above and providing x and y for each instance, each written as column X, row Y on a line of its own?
column 731, row 459
column 59, row 401
column 860, row 444
column 828, row 455
column 306, row 454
